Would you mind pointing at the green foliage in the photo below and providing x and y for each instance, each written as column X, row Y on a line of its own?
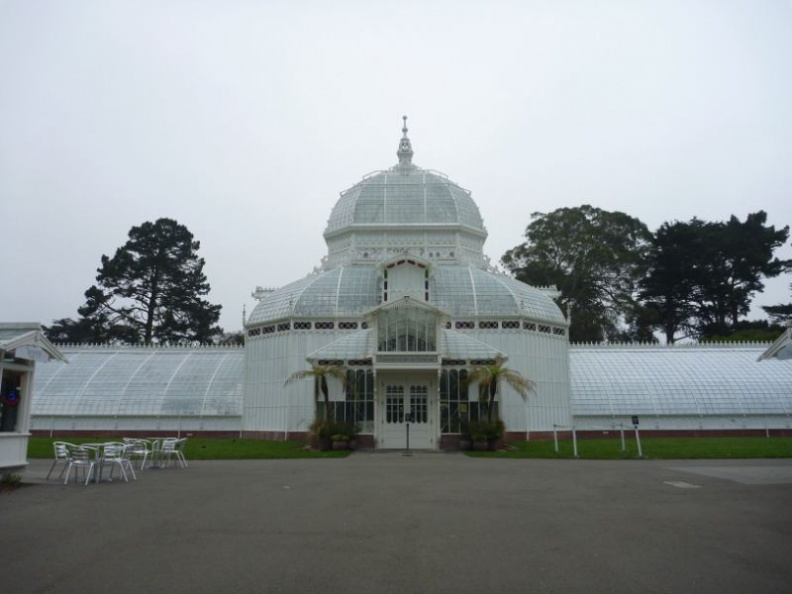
column 489, row 431
column 653, row 448
column 320, row 374
column 781, row 313
column 232, row 339
column 594, row 257
column 703, row 276
column 748, row 331
column 205, row 448
column 489, row 378
column 10, row 481
column 328, row 429
column 150, row 291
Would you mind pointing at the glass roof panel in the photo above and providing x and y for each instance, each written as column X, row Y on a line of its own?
column 701, row 380
column 140, row 382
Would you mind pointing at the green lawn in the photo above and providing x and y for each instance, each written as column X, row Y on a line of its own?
column 656, row 448
column 666, row 448
column 198, row 448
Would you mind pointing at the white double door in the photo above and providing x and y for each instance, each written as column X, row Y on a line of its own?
column 404, row 402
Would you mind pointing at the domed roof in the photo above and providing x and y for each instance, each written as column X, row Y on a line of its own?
column 405, row 195
column 406, row 212
column 458, row 289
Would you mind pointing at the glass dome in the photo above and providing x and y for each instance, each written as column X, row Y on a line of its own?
column 405, row 208
column 402, row 213
column 460, row 290
column 405, row 196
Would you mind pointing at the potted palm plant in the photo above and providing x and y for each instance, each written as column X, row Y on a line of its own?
column 489, row 378
column 321, row 429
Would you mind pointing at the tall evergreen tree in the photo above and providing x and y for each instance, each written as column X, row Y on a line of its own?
column 703, row 276
column 150, row 291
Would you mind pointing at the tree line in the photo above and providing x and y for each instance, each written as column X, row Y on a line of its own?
column 621, row 282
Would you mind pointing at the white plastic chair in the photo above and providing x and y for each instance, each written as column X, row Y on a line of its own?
column 80, row 457
column 173, row 449
column 116, row 454
column 137, row 449
column 61, row 451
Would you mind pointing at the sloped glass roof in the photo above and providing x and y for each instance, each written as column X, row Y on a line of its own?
column 460, row 346
column 132, row 381
column 679, row 380
column 457, row 289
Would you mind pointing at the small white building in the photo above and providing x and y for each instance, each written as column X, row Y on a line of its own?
column 21, row 345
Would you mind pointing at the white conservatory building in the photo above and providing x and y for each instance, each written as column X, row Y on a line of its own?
column 406, row 301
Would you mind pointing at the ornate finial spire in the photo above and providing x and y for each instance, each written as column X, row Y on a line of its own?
column 405, row 152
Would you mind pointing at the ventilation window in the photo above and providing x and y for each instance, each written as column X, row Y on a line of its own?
column 464, row 325
column 510, row 325
column 324, row 325
column 302, row 325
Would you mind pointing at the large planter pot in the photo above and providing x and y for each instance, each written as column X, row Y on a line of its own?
column 339, row 445
column 495, row 444
column 480, row 446
column 465, row 445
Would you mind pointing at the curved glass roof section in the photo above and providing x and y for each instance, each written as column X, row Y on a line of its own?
column 459, row 290
column 131, row 382
column 342, row 291
column 471, row 291
column 678, row 380
column 405, row 196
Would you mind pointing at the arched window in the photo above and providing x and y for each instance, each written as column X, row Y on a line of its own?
column 405, row 278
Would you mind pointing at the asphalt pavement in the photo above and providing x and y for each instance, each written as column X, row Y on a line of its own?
column 388, row 523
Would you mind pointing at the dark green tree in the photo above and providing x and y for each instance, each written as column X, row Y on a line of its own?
column 96, row 330
column 670, row 289
column 594, row 257
column 150, row 291
column 703, row 276
column 739, row 257
column 781, row 313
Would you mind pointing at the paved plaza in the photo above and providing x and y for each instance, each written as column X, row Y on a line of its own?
column 386, row 523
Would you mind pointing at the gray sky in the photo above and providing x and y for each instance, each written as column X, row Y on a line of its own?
column 243, row 120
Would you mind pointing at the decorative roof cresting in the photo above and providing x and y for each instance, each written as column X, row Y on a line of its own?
column 405, row 152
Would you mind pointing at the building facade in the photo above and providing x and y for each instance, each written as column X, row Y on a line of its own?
column 406, row 300
column 406, row 303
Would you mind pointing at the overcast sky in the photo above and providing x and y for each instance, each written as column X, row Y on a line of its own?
column 244, row 120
